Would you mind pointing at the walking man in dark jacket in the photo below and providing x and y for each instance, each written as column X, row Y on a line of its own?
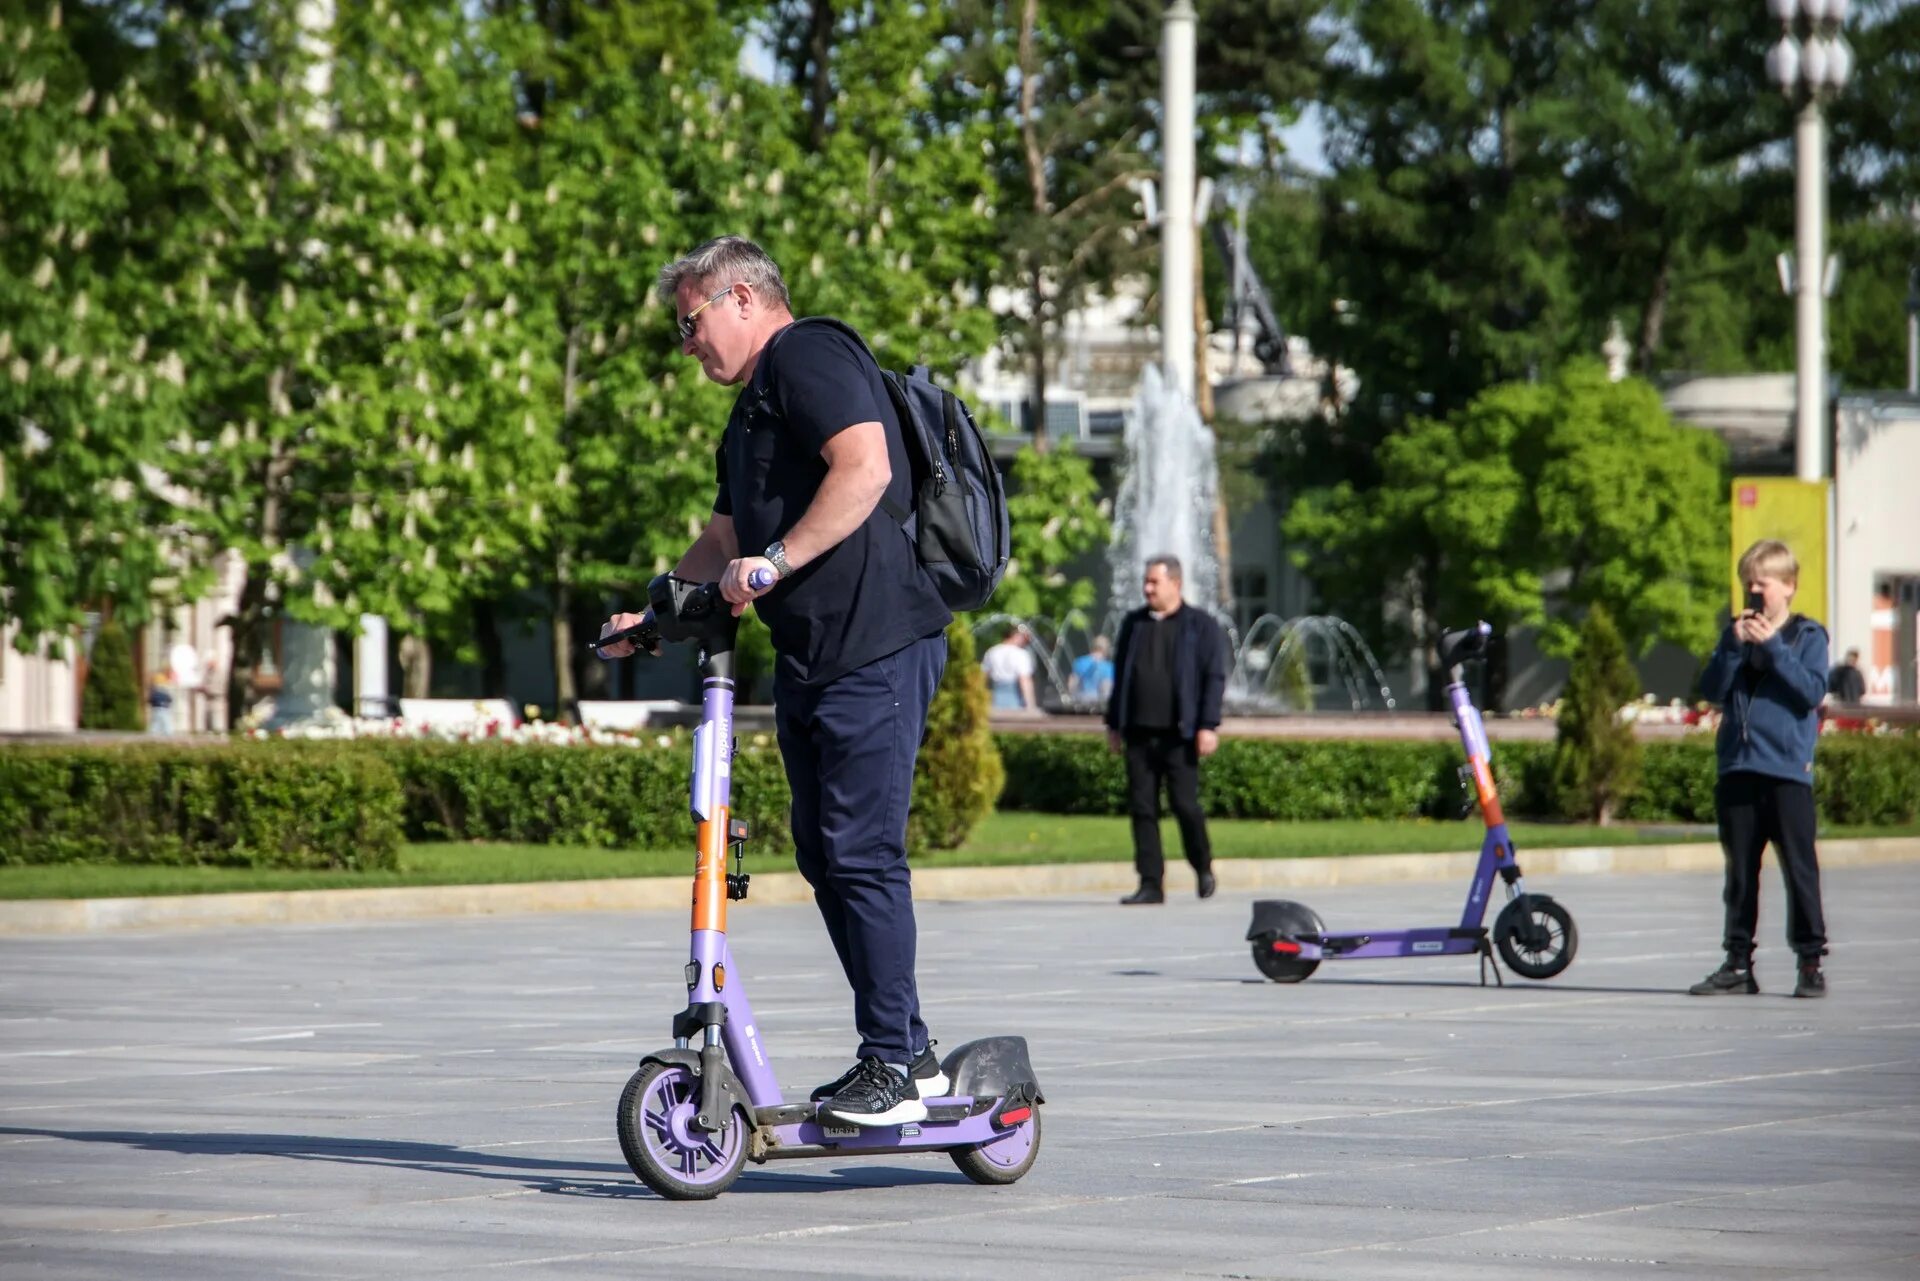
column 1170, row 671
column 1768, row 674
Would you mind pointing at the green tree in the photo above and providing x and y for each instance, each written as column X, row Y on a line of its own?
column 89, row 393
column 1056, row 519
column 111, row 697
column 1596, row 759
column 958, row 776
column 1582, row 480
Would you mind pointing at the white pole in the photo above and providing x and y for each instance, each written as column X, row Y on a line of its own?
column 1810, row 251
column 1176, row 220
column 1913, row 331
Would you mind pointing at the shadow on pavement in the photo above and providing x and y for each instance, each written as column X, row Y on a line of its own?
column 600, row 1179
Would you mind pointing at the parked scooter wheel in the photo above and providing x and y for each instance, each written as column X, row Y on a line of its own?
column 1006, row 1158
column 657, row 1136
column 1535, row 936
column 1277, row 922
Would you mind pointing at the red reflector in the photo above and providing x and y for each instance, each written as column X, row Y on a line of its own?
column 1284, row 945
column 1016, row 1116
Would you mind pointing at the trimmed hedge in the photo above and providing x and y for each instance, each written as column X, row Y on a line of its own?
column 606, row 797
column 310, row 806
column 1857, row 780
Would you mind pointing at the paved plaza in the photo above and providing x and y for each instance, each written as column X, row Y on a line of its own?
column 436, row 1100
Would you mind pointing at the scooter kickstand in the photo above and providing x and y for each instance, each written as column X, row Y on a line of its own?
column 1486, row 957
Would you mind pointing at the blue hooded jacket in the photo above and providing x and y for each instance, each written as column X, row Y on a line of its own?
column 1770, row 697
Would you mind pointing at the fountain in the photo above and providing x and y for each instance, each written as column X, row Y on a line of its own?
column 1281, row 665
column 1167, row 493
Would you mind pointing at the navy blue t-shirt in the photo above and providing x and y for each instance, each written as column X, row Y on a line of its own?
column 867, row 597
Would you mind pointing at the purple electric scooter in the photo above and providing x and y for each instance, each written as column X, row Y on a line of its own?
column 694, row 1114
column 1534, row 934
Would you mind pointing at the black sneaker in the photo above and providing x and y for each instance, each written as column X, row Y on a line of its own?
column 1730, row 979
column 1811, row 982
column 1145, row 894
column 929, row 1082
column 1207, row 885
column 877, row 1095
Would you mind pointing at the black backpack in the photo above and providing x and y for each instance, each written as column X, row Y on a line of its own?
column 958, row 517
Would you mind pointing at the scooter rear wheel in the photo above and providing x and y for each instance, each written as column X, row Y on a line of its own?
column 1006, row 1158
column 1536, row 936
column 1286, row 967
column 660, row 1142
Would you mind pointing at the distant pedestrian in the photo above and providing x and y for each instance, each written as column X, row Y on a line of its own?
column 1092, row 678
column 1009, row 669
column 1847, row 683
column 1170, row 672
column 160, row 703
column 1768, row 675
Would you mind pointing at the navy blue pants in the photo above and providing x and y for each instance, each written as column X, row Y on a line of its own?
column 849, row 748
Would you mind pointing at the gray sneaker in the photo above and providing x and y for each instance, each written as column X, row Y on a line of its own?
column 1731, row 979
column 1811, row 982
column 928, row 1080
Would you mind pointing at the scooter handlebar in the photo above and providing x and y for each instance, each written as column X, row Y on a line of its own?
column 702, row 601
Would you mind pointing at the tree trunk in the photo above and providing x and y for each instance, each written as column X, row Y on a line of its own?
column 1037, row 392
column 1655, row 317
column 820, row 56
column 493, row 655
column 1202, row 327
column 1036, row 162
column 416, row 665
column 564, row 693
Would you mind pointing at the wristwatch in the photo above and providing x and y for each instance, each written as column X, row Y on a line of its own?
column 777, row 553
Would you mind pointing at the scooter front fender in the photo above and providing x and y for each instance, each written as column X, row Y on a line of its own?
column 720, row 1090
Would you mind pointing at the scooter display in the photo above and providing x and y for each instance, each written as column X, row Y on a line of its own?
column 693, row 1114
column 1535, row 936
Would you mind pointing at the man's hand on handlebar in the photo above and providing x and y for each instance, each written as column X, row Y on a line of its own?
column 736, row 585
column 622, row 648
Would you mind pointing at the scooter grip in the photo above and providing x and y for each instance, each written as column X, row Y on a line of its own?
column 761, row 579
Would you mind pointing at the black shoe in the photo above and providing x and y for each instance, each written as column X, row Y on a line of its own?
column 929, row 1081
column 877, row 1095
column 1811, row 982
column 1732, row 978
column 1206, row 885
column 1146, row 894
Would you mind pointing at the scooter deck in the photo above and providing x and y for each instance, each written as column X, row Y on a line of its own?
column 796, row 1130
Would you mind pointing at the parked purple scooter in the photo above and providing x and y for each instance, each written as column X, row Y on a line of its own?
column 1534, row 934
column 692, row 1115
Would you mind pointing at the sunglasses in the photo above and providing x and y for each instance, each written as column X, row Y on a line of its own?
column 688, row 323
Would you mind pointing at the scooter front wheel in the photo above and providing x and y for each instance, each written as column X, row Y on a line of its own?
column 1004, row 1159
column 661, row 1143
column 1536, row 936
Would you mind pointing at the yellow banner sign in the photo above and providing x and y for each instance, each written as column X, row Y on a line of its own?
column 1795, row 512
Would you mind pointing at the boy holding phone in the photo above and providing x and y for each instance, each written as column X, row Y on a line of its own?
column 1768, row 674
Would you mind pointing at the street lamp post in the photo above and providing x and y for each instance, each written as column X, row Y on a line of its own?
column 1811, row 69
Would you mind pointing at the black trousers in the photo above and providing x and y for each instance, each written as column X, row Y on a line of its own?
column 1153, row 757
column 1756, row 811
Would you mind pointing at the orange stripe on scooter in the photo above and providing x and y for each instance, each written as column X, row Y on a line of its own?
column 710, row 875
column 1489, row 794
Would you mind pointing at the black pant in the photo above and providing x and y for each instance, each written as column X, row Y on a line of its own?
column 1152, row 756
column 849, row 748
column 1756, row 811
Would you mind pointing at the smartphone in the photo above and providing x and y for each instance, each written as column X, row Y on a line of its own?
column 1756, row 603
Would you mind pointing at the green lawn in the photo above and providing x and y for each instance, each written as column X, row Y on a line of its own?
column 1002, row 839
